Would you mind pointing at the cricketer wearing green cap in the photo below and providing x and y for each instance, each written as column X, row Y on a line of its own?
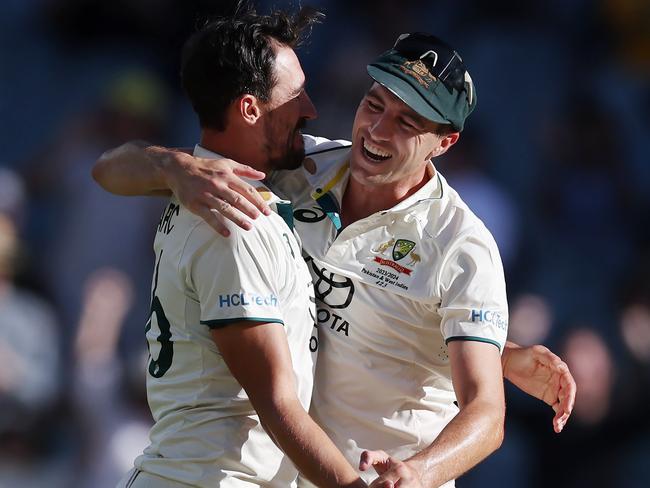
column 429, row 77
column 412, row 314
column 411, row 299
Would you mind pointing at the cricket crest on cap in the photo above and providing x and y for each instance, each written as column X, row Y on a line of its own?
column 418, row 70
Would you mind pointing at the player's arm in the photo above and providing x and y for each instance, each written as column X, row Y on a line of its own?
column 542, row 374
column 134, row 168
column 258, row 357
column 473, row 310
column 212, row 189
column 471, row 436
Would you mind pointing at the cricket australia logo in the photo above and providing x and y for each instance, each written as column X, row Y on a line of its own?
column 418, row 70
column 401, row 248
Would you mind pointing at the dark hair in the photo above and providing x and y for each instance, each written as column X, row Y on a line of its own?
column 443, row 130
column 233, row 55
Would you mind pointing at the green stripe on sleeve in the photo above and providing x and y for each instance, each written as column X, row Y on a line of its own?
column 474, row 339
column 218, row 323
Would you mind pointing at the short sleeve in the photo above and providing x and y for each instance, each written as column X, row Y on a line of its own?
column 233, row 279
column 474, row 304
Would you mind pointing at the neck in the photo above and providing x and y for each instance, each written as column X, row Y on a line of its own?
column 238, row 145
column 361, row 200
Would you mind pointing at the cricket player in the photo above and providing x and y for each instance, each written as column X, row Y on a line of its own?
column 230, row 373
column 411, row 299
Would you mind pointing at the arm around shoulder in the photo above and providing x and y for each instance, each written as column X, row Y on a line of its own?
column 134, row 168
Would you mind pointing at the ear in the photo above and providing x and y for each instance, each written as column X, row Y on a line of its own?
column 445, row 143
column 249, row 108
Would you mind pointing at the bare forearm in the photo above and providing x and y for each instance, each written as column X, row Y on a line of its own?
column 134, row 168
column 307, row 445
column 470, row 437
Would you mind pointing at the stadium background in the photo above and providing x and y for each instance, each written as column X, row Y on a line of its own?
column 555, row 161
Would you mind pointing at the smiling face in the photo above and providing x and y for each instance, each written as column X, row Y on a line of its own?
column 286, row 113
column 391, row 143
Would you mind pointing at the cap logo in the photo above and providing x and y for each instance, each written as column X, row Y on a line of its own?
column 418, row 70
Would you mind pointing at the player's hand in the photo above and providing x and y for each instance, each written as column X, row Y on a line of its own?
column 213, row 189
column 392, row 472
column 540, row 373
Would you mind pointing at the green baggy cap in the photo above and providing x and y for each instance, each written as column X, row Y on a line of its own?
column 428, row 76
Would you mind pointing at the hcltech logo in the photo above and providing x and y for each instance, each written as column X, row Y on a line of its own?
column 490, row 317
column 243, row 299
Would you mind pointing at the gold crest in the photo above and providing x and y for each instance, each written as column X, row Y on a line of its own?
column 418, row 70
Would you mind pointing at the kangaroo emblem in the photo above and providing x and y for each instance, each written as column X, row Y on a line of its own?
column 415, row 258
column 382, row 248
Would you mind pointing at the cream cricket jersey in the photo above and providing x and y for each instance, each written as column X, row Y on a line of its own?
column 206, row 432
column 392, row 290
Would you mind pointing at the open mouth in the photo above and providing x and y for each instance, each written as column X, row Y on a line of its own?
column 374, row 153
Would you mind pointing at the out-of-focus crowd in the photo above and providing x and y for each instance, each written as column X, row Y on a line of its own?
column 555, row 160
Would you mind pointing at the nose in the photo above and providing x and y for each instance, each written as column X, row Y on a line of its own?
column 307, row 109
column 380, row 129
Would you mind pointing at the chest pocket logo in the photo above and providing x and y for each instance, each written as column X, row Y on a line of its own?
column 401, row 249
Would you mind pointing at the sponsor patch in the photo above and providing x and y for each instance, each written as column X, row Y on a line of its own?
column 244, row 299
column 491, row 317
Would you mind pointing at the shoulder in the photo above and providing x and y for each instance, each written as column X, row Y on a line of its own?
column 265, row 232
column 323, row 157
column 451, row 223
column 315, row 145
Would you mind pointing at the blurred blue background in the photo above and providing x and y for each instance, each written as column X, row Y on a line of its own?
column 554, row 160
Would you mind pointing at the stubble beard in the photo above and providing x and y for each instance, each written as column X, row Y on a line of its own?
column 292, row 157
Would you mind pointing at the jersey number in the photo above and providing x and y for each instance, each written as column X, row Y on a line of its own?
column 158, row 367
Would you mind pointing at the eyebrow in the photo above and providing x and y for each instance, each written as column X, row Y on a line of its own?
column 370, row 94
column 412, row 120
column 405, row 112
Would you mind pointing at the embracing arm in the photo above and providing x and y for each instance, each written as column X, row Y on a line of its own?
column 258, row 357
column 212, row 189
column 134, row 168
column 471, row 436
column 542, row 374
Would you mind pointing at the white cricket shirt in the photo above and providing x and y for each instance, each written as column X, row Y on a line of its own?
column 206, row 432
column 391, row 291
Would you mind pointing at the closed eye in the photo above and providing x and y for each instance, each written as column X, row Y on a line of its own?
column 375, row 107
column 408, row 125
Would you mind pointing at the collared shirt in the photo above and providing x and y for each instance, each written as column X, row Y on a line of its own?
column 392, row 290
column 206, row 431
